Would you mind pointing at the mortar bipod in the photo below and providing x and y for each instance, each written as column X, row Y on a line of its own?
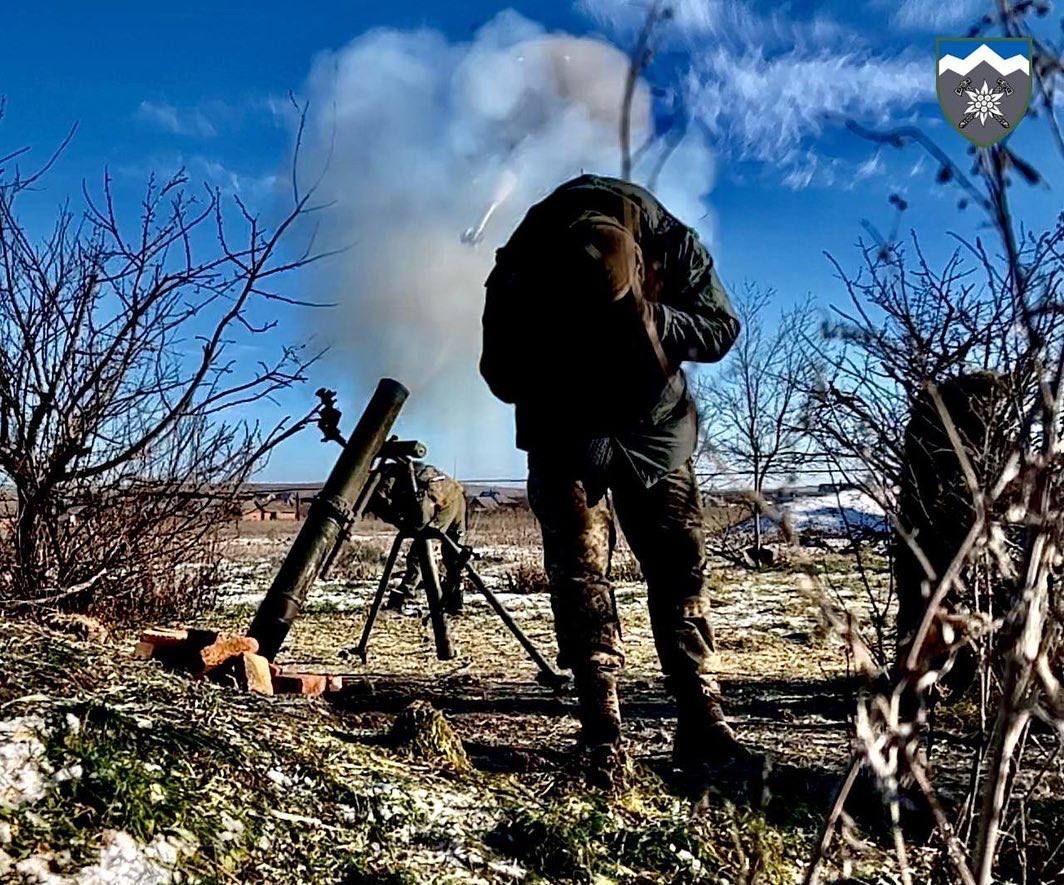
column 547, row 674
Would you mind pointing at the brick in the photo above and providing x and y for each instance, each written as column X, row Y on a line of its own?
column 225, row 647
column 144, row 651
column 308, row 684
column 256, row 673
column 164, row 637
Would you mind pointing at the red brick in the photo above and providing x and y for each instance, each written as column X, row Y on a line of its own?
column 256, row 673
column 309, row 684
column 225, row 647
column 164, row 637
column 144, row 651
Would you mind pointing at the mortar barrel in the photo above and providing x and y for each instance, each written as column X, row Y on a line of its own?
column 325, row 519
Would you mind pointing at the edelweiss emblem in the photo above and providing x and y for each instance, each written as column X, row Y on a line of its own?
column 984, row 103
column 984, row 85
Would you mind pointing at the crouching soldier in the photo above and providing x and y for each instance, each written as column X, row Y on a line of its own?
column 935, row 514
column 593, row 304
column 440, row 503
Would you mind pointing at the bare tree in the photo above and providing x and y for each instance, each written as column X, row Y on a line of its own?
column 120, row 381
column 640, row 58
column 752, row 411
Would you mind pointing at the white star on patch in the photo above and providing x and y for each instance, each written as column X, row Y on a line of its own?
column 983, row 103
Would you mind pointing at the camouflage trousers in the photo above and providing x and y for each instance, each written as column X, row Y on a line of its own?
column 664, row 527
column 412, row 573
column 443, row 507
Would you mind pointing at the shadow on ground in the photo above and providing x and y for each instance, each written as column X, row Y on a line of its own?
column 521, row 728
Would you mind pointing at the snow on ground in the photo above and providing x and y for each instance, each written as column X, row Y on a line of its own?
column 831, row 514
column 27, row 776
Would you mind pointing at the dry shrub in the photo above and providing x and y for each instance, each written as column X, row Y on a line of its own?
column 119, row 437
column 362, row 560
column 421, row 731
column 980, row 541
column 527, row 577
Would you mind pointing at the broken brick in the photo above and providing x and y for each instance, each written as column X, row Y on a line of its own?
column 225, row 647
column 308, row 684
column 195, row 651
column 256, row 674
column 144, row 651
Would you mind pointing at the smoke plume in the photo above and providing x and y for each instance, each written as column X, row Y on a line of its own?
column 435, row 151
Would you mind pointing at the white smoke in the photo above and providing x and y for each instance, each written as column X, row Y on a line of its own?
column 430, row 141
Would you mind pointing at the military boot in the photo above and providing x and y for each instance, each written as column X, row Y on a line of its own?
column 704, row 740
column 454, row 601
column 603, row 758
column 703, row 737
column 398, row 598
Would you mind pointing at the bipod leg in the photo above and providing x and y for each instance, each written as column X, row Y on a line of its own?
column 378, row 598
column 547, row 674
column 430, row 577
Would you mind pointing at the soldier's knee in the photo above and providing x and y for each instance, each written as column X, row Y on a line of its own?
column 586, row 623
column 677, row 560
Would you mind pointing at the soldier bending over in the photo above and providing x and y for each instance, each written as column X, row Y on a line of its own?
column 593, row 304
column 440, row 504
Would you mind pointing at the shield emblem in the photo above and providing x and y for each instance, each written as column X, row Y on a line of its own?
column 984, row 85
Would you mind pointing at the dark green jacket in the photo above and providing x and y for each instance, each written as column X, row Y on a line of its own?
column 578, row 374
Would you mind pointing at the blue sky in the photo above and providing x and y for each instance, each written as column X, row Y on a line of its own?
column 769, row 174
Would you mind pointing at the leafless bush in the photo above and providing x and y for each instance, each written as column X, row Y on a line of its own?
column 527, row 577
column 119, row 385
column 911, row 333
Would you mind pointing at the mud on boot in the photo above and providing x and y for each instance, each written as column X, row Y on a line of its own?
column 602, row 757
column 707, row 753
column 606, row 767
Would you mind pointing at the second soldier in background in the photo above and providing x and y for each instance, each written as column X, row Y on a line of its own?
column 440, row 504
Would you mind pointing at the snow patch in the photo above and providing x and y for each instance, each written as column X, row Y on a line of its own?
column 122, row 860
column 832, row 514
column 26, row 773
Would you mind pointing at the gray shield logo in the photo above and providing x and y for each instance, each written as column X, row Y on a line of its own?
column 984, row 85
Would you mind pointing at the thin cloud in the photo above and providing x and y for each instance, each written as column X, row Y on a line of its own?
column 192, row 122
column 767, row 107
column 934, row 15
column 767, row 88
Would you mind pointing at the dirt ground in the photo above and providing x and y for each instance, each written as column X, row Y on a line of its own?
column 138, row 767
column 786, row 680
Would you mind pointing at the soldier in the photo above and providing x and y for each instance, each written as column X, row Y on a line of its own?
column 440, row 504
column 936, row 510
column 593, row 304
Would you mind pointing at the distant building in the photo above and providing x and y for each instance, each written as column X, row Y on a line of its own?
column 493, row 498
